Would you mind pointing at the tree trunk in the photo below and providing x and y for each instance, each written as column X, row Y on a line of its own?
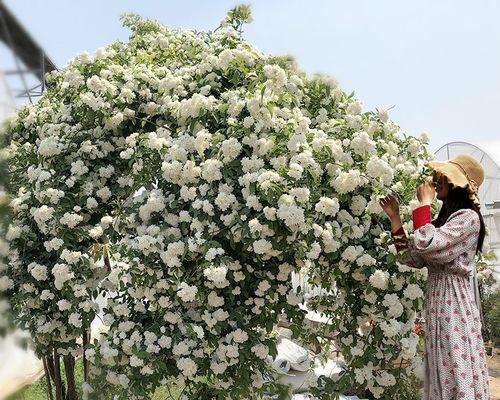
column 69, row 367
column 85, row 361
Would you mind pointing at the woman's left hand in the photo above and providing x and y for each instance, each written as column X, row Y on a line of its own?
column 426, row 192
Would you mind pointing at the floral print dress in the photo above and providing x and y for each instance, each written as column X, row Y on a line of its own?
column 455, row 366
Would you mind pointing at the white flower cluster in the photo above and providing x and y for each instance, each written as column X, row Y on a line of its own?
column 217, row 275
column 187, row 293
column 328, row 206
column 380, row 279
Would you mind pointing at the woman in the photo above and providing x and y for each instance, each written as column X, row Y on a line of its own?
column 455, row 366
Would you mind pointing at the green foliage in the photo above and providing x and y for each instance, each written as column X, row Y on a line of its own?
column 489, row 292
column 239, row 15
column 491, row 315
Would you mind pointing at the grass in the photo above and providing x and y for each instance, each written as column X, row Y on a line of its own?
column 38, row 390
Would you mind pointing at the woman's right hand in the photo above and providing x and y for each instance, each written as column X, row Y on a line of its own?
column 390, row 206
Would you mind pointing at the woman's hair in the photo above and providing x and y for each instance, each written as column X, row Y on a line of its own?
column 458, row 198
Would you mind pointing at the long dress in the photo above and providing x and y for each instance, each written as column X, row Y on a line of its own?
column 455, row 365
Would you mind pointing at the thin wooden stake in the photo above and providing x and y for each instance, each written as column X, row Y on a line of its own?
column 50, row 367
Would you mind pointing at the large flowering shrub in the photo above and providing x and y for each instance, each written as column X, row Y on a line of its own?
column 204, row 172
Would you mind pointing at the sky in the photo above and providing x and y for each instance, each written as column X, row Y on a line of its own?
column 437, row 63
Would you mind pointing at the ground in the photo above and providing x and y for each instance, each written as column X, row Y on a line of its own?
column 494, row 370
column 38, row 390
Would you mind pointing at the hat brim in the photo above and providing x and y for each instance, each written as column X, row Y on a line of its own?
column 451, row 171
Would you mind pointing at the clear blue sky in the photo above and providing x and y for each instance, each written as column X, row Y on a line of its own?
column 437, row 62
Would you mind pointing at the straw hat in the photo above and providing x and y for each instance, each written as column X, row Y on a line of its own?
column 463, row 171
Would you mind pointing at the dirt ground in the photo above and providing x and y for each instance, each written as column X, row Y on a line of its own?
column 494, row 371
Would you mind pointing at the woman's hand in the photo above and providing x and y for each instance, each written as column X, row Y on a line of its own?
column 426, row 192
column 390, row 206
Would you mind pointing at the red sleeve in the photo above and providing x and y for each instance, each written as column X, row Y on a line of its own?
column 421, row 216
column 400, row 239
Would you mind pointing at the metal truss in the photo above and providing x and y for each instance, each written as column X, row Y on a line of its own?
column 30, row 60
